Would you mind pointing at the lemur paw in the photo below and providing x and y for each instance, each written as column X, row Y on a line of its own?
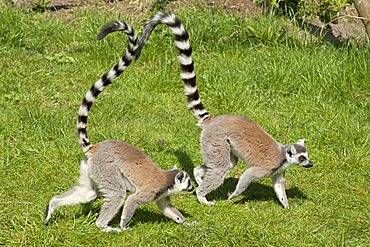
column 203, row 200
column 194, row 223
column 111, row 229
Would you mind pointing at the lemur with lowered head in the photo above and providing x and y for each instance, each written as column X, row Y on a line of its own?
column 111, row 168
column 226, row 138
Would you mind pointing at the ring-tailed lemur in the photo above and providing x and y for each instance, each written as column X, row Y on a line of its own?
column 225, row 138
column 111, row 168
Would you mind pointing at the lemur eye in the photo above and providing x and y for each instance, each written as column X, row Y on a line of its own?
column 301, row 158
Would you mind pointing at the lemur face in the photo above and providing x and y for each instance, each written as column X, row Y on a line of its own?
column 302, row 160
column 182, row 182
column 297, row 154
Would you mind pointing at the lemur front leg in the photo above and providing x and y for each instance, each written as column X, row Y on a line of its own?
column 279, row 188
column 251, row 174
column 164, row 204
column 131, row 204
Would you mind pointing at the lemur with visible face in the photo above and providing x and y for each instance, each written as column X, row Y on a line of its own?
column 112, row 167
column 226, row 138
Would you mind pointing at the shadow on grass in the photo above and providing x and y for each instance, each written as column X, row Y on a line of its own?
column 256, row 191
column 185, row 161
column 325, row 31
column 182, row 157
column 141, row 215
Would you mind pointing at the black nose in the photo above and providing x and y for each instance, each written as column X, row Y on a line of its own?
column 308, row 165
column 190, row 188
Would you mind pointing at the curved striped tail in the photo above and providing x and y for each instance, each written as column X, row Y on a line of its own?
column 105, row 80
column 186, row 63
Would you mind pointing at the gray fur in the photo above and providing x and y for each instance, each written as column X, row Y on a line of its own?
column 226, row 138
column 111, row 168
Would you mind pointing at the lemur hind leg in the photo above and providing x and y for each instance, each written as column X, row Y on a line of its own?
column 199, row 173
column 82, row 193
column 217, row 164
column 114, row 193
column 109, row 209
column 233, row 160
column 213, row 178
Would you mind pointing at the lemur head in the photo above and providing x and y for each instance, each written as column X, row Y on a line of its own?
column 297, row 154
column 182, row 181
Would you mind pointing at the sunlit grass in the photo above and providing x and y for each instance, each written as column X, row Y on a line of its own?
column 259, row 68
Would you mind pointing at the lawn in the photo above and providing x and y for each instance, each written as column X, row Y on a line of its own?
column 294, row 85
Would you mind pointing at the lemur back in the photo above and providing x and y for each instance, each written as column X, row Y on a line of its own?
column 244, row 133
column 226, row 138
column 110, row 168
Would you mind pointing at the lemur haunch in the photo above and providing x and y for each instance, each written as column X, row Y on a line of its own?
column 226, row 138
column 112, row 167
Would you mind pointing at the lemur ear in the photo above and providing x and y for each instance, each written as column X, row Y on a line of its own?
column 290, row 150
column 300, row 142
column 180, row 176
column 173, row 168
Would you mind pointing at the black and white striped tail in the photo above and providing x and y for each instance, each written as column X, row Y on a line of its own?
column 186, row 63
column 105, row 80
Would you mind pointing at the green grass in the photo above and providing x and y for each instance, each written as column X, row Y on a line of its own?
column 294, row 86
